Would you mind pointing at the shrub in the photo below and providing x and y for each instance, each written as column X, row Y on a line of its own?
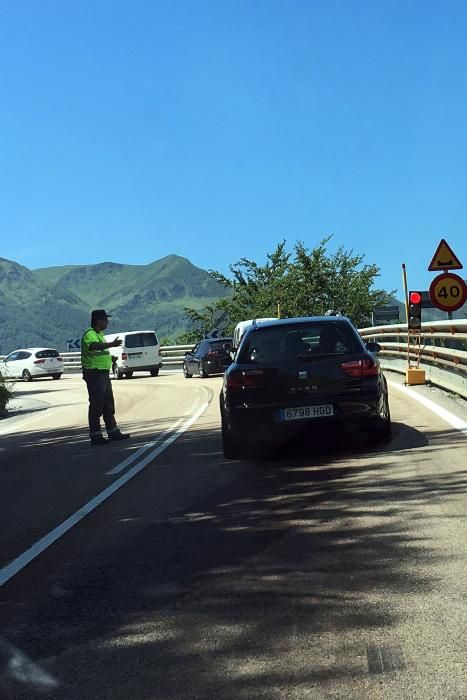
column 5, row 395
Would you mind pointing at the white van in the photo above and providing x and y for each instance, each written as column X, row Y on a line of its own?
column 139, row 352
column 241, row 327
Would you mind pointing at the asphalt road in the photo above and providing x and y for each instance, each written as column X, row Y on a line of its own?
column 159, row 571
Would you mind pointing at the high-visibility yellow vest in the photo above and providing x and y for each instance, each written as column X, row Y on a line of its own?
column 94, row 359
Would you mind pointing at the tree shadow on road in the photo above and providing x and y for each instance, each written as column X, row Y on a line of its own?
column 256, row 586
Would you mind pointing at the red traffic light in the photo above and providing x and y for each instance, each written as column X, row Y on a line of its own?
column 415, row 297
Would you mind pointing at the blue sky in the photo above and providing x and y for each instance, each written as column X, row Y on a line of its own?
column 214, row 129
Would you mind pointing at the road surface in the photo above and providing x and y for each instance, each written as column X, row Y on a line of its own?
column 154, row 569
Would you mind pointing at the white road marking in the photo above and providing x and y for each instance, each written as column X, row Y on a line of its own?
column 447, row 416
column 15, row 566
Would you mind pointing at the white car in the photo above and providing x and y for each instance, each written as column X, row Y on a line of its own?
column 29, row 363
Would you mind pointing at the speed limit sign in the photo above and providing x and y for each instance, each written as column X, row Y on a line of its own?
column 448, row 292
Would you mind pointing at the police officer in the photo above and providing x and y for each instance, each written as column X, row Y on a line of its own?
column 96, row 362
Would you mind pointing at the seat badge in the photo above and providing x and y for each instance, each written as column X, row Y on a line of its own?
column 302, row 375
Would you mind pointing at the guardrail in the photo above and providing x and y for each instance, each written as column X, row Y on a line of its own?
column 443, row 352
column 171, row 355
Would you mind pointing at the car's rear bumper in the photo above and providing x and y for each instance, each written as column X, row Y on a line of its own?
column 261, row 423
column 125, row 367
column 214, row 367
column 49, row 372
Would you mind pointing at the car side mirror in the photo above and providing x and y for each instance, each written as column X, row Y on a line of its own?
column 373, row 347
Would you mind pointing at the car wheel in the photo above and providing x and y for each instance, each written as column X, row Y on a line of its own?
column 27, row 376
column 118, row 374
column 128, row 375
column 202, row 372
column 155, row 372
column 56, row 376
column 231, row 447
column 381, row 429
column 186, row 373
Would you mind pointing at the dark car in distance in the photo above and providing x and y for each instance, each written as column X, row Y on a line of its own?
column 292, row 375
column 210, row 356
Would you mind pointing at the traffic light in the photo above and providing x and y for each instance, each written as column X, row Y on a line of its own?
column 415, row 311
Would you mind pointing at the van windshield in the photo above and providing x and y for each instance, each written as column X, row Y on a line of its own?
column 140, row 340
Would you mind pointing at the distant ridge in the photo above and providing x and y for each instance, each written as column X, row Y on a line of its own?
column 50, row 305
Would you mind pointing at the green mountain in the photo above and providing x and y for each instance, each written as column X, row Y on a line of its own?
column 51, row 305
column 35, row 313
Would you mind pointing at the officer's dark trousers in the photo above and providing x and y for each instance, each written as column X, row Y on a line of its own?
column 101, row 400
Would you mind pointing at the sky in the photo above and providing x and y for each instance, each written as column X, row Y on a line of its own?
column 214, row 129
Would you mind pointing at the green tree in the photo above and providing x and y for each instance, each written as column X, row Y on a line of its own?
column 307, row 282
column 340, row 281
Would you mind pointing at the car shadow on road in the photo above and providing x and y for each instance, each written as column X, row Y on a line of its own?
column 259, row 587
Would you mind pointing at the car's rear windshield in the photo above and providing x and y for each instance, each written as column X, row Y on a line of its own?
column 298, row 341
column 140, row 340
column 221, row 345
column 47, row 353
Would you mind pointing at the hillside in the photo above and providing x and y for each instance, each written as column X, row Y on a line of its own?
column 32, row 312
column 50, row 305
column 172, row 278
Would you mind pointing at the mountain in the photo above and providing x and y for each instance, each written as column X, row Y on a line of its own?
column 35, row 313
column 50, row 305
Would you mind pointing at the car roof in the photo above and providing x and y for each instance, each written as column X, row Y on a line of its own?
column 131, row 332
column 300, row 319
column 31, row 349
column 218, row 340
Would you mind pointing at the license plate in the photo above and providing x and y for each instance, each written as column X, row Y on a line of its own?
column 304, row 412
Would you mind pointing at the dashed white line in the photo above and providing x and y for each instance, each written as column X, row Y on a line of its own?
column 15, row 566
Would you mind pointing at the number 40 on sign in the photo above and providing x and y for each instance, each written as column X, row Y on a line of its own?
column 448, row 292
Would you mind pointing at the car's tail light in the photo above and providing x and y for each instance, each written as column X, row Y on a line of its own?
column 59, row 359
column 361, row 368
column 38, row 362
column 244, row 379
column 124, row 356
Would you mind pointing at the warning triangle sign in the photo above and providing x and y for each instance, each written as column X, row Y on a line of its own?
column 444, row 259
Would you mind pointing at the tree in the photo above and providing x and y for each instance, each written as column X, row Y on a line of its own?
column 305, row 283
column 341, row 282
